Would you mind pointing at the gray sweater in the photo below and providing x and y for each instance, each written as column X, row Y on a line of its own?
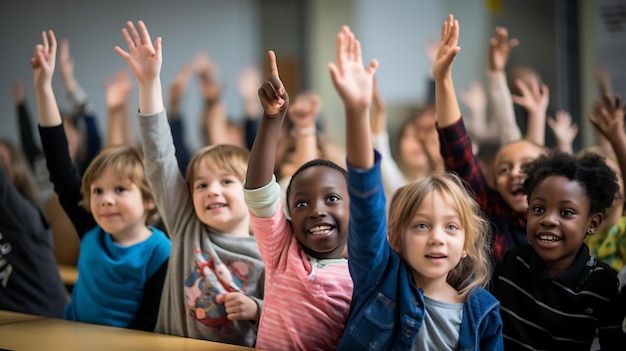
column 188, row 300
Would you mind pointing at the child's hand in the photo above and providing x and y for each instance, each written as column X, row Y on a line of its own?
column 304, row 110
column 145, row 58
column 118, row 89
column 448, row 49
column 500, row 49
column 353, row 81
column 178, row 87
column 66, row 63
column 238, row 306
column 43, row 61
column 272, row 93
column 534, row 97
column 207, row 72
column 564, row 130
column 609, row 117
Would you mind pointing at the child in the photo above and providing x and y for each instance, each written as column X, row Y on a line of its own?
column 308, row 286
column 554, row 295
column 421, row 289
column 214, row 282
column 506, row 205
column 29, row 278
column 122, row 262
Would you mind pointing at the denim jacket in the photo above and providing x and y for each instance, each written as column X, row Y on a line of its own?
column 387, row 308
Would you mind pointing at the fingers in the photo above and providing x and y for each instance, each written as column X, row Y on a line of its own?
column 134, row 33
column 273, row 64
column 44, row 41
column 122, row 53
column 128, row 39
column 53, row 43
column 145, row 35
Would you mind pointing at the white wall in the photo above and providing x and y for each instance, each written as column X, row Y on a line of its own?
column 227, row 29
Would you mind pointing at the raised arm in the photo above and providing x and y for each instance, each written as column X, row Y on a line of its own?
column 174, row 114
column 609, row 120
column 275, row 102
column 144, row 58
column 502, row 110
column 564, row 131
column 248, row 84
column 446, row 103
column 534, row 98
column 43, row 64
column 303, row 113
column 119, row 126
column 355, row 84
column 214, row 118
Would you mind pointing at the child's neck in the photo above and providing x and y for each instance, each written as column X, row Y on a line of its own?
column 128, row 238
column 438, row 289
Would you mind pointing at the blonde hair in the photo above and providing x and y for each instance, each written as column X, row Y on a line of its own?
column 20, row 172
column 473, row 270
column 127, row 163
column 233, row 159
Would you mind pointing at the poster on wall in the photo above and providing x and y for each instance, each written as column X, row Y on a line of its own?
column 610, row 51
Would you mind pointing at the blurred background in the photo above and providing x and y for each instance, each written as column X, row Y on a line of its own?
column 564, row 40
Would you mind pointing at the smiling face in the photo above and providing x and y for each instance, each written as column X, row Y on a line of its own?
column 559, row 220
column 319, row 206
column 118, row 206
column 218, row 199
column 507, row 169
column 434, row 240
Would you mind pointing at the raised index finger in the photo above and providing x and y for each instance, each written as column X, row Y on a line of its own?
column 273, row 65
column 53, row 41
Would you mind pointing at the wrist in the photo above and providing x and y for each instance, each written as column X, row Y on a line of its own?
column 308, row 131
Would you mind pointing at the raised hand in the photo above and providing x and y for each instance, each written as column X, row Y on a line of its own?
column 304, row 110
column 66, row 63
column 608, row 117
column 273, row 95
column 207, row 72
column 534, row 97
column 143, row 56
column 564, row 130
column 118, row 89
column 448, row 49
column 178, row 87
column 353, row 81
column 248, row 85
column 500, row 48
column 44, row 60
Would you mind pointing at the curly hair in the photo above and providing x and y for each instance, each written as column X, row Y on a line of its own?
column 314, row 163
column 590, row 171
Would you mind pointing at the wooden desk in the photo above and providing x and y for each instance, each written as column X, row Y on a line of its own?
column 10, row 317
column 47, row 334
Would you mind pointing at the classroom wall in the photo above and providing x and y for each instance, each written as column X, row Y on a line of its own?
column 228, row 30
column 239, row 33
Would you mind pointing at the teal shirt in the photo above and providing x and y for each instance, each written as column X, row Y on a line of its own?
column 111, row 277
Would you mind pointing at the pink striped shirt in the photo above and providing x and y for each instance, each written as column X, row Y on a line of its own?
column 304, row 307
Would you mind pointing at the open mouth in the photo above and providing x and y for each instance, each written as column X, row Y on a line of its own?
column 214, row 206
column 321, row 230
column 549, row 238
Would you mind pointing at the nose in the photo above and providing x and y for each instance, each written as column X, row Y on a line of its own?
column 213, row 188
column 106, row 199
column 318, row 210
column 436, row 237
column 548, row 219
column 516, row 171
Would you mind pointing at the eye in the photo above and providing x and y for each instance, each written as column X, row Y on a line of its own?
column 300, row 204
column 333, row 198
column 420, row 225
column 452, row 227
column 228, row 181
column 504, row 169
column 567, row 213
column 200, row 186
column 120, row 189
column 537, row 209
column 96, row 191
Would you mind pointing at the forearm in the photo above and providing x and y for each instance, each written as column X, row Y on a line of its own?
column 536, row 130
column 359, row 148
column 49, row 115
column 151, row 97
column 215, row 123
column 263, row 154
column 446, row 104
column 502, row 110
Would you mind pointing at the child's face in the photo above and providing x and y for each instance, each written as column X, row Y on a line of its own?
column 117, row 205
column 558, row 221
column 218, row 200
column 411, row 150
column 434, row 240
column 507, row 169
column 319, row 206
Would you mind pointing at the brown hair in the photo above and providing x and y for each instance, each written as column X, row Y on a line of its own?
column 230, row 158
column 473, row 270
column 127, row 163
column 20, row 172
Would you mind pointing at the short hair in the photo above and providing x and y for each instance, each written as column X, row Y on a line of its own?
column 318, row 162
column 473, row 270
column 590, row 171
column 127, row 163
column 21, row 173
column 230, row 158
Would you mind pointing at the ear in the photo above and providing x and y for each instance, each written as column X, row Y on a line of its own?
column 464, row 253
column 594, row 223
column 149, row 205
